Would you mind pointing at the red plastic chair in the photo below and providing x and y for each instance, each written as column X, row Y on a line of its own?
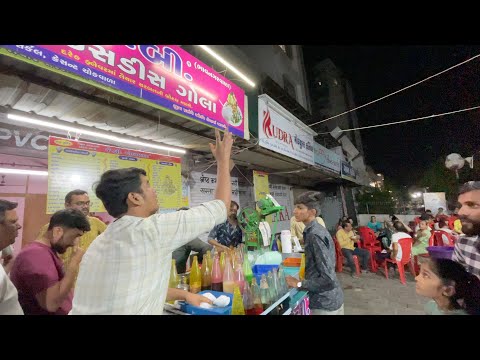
column 406, row 245
column 451, row 222
column 371, row 244
column 431, row 240
column 339, row 259
column 439, row 238
column 338, row 256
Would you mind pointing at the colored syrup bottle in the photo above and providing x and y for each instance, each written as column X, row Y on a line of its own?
column 247, row 269
column 228, row 281
column 222, row 261
column 238, row 277
column 271, row 287
column 217, row 279
column 206, row 276
column 264, row 292
column 195, row 277
column 174, row 280
column 257, row 300
column 237, row 303
column 248, row 299
column 210, row 260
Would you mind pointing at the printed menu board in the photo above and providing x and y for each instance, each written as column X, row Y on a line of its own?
column 78, row 165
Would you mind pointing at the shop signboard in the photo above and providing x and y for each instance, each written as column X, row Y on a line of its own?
column 12, row 136
column 326, row 158
column 162, row 76
column 348, row 172
column 278, row 133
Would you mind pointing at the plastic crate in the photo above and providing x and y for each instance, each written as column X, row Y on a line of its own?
column 195, row 310
column 259, row 270
column 440, row 252
column 292, row 262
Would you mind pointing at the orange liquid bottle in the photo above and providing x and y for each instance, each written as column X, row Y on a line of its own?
column 301, row 272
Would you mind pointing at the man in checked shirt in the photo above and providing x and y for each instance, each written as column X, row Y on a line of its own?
column 467, row 248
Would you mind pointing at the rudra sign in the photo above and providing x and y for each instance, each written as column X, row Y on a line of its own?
column 163, row 76
column 277, row 133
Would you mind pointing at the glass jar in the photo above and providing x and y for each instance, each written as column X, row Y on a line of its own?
column 183, row 283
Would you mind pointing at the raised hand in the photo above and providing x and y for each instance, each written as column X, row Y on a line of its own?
column 223, row 148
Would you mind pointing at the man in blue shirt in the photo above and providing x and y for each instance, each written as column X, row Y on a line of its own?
column 375, row 225
column 227, row 234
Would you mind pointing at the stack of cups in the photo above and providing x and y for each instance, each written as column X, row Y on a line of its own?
column 285, row 238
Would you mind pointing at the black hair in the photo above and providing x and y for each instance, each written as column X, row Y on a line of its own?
column 69, row 218
column 398, row 225
column 6, row 205
column 312, row 200
column 425, row 217
column 234, row 203
column 467, row 285
column 469, row 186
column 441, row 223
column 68, row 197
column 345, row 224
column 114, row 187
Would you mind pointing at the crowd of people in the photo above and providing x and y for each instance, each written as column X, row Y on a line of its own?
column 79, row 265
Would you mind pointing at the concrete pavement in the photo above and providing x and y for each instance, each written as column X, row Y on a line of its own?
column 373, row 294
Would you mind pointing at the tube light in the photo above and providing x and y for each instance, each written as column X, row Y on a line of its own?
column 227, row 64
column 23, row 172
column 100, row 135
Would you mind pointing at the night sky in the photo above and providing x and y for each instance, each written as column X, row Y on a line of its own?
column 404, row 152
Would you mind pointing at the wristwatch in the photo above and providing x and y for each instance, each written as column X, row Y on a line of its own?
column 299, row 284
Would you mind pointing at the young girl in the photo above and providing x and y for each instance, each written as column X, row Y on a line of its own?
column 421, row 239
column 454, row 290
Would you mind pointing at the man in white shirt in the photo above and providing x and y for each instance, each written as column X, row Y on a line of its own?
column 401, row 232
column 126, row 269
column 9, row 227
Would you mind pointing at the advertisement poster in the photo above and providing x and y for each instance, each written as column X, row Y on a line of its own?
column 283, row 194
column 203, row 188
column 163, row 76
column 260, row 184
column 79, row 165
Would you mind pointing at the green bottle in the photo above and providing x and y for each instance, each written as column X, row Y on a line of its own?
column 247, row 269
